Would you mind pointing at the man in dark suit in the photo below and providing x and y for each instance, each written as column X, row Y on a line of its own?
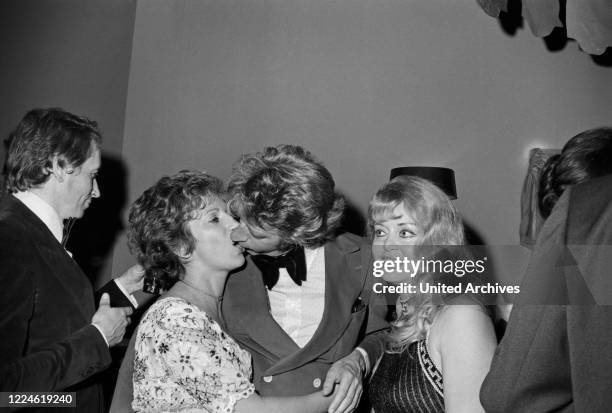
column 53, row 339
column 555, row 357
column 302, row 305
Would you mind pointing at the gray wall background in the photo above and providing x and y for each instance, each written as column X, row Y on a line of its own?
column 366, row 85
column 73, row 54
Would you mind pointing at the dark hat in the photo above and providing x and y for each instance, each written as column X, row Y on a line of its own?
column 443, row 178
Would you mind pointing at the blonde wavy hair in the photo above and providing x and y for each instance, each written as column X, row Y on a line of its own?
column 440, row 224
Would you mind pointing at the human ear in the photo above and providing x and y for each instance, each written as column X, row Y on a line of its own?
column 60, row 168
column 182, row 254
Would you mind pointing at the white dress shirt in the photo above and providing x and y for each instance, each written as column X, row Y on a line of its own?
column 299, row 309
column 49, row 216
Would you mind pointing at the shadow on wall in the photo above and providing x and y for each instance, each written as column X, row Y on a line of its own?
column 91, row 242
column 93, row 236
column 512, row 21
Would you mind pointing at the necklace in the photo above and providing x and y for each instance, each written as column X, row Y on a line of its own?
column 201, row 291
column 205, row 301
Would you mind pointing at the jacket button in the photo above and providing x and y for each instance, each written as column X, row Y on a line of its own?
column 316, row 383
column 267, row 379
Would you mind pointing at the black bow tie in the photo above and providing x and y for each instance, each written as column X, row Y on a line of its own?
column 294, row 261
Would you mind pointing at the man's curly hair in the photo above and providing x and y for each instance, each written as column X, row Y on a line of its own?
column 158, row 233
column 286, row 190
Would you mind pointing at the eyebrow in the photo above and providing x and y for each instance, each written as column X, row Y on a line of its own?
column 258, row 234
column 403, row 224
column 396, row 217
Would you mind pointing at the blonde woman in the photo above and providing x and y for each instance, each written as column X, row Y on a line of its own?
column 437, row 352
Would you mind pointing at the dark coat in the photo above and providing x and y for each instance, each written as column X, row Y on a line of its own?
column 47, row 342
column 346, row 320
column 556, row 357
column 280, row 367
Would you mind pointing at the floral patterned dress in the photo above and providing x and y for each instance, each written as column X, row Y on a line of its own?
column 185, row 362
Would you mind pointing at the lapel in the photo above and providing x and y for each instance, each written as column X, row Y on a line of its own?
column 247, row 298
column 343, row 283
column 64, row 270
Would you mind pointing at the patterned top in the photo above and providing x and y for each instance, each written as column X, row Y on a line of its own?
column 184, row 362
column 407, row 382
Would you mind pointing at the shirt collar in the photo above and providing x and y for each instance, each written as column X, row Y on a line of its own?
column 45, row 212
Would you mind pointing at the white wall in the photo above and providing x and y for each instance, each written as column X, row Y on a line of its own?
column 366, row 85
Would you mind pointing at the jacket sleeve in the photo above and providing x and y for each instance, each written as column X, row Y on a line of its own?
column 58, row 365
column 376, row 330
column 117, row 297
column 377, row 324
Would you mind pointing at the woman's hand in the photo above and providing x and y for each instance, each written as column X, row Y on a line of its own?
column 132, row 279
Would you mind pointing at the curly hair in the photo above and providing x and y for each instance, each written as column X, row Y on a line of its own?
column 158, row 233
column 441, row 225
column 41, row 135
column 585, row 156
column 286, row 190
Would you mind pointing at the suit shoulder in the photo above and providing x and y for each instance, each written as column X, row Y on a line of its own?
column 348, row 242
column 13, row 235
column 592, row 196
column 350, row 237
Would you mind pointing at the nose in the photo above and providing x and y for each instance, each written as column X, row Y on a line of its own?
column 239, row 233
column 389, row 245
column 95, row 191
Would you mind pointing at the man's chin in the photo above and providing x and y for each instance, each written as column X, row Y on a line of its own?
column 77, row 214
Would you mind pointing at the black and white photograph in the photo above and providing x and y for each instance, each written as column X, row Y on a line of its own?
column 306, row 206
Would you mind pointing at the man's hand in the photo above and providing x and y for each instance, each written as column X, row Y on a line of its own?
column 133, row 279
column 111, row 321
column 344, row 378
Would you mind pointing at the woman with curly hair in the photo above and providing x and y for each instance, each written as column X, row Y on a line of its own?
column 180, row 230
column 438, row 351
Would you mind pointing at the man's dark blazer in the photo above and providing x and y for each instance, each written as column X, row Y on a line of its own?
column 556, row 358
column 280, row 367
column 47, row 342
column 347, row 317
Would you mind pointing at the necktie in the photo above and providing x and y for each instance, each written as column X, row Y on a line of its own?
column 294, row 261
